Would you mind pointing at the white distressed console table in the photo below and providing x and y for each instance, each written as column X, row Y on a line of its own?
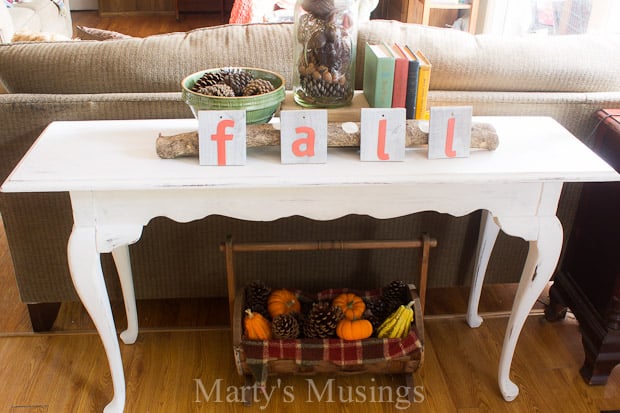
column 118, row 184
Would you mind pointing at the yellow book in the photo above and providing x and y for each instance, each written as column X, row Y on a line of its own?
column 424, row 80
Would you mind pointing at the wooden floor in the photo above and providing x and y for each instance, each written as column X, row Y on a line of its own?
column 184, row 345
column 183, row 362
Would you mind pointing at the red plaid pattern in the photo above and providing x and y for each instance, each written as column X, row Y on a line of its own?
column 310, row 351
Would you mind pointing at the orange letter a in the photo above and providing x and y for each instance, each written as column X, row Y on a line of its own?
column 308, row 141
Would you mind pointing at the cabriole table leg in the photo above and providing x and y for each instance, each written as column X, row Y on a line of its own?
column 87, row 276
column 541, row 261
column 123, row 266
column 486, row 241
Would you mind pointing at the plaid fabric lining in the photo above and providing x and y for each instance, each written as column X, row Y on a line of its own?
column 340, row 352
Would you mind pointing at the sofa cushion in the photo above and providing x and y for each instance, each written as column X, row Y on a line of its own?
column 461, row 61
column 90, row 33
column 152, row 64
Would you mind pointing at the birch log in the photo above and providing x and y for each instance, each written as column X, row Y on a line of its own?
column 483, row 136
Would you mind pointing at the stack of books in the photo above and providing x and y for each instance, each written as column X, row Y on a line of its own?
column 395, row 76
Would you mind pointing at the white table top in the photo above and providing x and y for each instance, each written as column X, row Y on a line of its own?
column 120, row 155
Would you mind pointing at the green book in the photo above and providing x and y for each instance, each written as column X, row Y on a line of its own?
column 378, row 76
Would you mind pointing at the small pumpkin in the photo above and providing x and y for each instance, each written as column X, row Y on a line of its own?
column 256, row 326
column 351, row 304
column 282, row 301
column 354, row 329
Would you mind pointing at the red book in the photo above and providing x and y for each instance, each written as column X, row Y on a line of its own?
column 401, row 71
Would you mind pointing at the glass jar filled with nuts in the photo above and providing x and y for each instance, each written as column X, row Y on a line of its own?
column 324, row 52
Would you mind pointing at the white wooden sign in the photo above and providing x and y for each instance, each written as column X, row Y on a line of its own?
column 303, row 136
column 383, row 134
column 449, row 132
column 221, row 137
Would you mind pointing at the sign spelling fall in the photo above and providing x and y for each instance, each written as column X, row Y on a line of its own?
column 303, row 135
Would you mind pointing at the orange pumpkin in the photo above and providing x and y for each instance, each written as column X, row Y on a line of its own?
column 354, row 329
column 282, row 302
column 352, row 305
column 256, row 326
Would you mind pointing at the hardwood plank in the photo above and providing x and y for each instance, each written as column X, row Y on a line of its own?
column 69, row 373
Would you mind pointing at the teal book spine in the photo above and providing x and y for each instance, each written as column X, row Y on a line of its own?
column 378, row 76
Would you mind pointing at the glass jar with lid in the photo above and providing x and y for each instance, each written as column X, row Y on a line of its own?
column 324, row 71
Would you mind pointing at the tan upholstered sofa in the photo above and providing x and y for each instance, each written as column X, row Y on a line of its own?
column 566, row 77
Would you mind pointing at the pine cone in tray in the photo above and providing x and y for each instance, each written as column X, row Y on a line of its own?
column 285, row 326
column 380, row 308
column 208, row 79
column 256, row 294
column 397, row 291
column 237, row 79
column 218, row 89
column 322, row 320
column 257, row 87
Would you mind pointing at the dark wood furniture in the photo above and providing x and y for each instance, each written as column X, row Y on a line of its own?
column 589, row 280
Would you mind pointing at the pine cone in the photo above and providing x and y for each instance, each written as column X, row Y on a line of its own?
column 237, row 79
column 374, row 321
column 256, row 294
column 397, row 291
column 381, row 308
column 316, row 86
column 208, row 79
column 285, row 326
column 322, row 320
column 219, row 89
column 257, row 87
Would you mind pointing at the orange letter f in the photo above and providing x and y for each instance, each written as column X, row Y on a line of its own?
column 221, row 137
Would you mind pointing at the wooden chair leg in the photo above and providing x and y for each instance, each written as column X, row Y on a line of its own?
column 43, row 315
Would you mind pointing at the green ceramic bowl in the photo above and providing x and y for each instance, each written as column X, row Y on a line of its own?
column 259, row 108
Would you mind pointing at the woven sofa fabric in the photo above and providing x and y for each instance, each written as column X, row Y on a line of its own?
column 462, row 61
column 152, row 64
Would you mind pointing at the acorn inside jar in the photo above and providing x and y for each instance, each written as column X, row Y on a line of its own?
column 325, row 52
